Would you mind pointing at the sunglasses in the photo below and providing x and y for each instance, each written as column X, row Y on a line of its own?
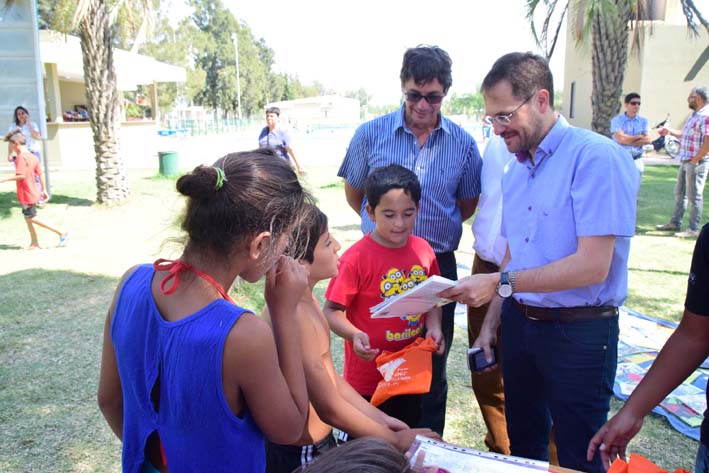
column 634, row 103
column 415, row 97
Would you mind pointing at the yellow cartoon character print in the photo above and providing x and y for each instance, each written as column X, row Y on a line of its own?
column 412, row 320
column 417, row 274
column 391, row 283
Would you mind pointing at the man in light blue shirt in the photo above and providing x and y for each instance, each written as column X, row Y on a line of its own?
column 446, row 160
column 568, row 215
column 631, row 131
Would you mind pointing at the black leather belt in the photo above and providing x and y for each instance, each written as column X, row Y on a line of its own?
column 565, row 314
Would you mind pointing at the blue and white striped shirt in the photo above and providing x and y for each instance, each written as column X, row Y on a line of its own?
column 448, row 166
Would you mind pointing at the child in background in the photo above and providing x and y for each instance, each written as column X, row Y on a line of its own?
column 184, row 369
column 28, row 194
column 333, row 402
column 386, row 262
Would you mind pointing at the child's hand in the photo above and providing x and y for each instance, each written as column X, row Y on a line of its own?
column 437, row 336
column 286, row 282
column 360, row 343
column 44, row 195
column 395, row 424
column 404, row 438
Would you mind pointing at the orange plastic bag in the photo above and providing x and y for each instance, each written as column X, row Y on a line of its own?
column 407, row 371
column 638, row 464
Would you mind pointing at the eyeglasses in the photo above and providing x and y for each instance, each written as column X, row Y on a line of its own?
column 634, row 103
column 505, row 119
column 415, row 97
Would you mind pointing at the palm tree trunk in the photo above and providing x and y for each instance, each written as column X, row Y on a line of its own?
column 102, row 101
column 609, row 58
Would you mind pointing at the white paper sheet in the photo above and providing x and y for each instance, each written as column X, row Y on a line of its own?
column 416, row 300
column 457, row 459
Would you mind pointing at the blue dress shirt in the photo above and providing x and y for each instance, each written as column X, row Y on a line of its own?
column 581, row 184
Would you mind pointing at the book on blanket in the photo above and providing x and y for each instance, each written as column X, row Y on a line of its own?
column 417, row 300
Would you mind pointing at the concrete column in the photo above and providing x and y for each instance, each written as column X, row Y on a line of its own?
column 54, row 103
column 154, row 102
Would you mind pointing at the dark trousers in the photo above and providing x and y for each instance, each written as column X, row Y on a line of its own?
column 560, row 372
column 433, row 404
column 405, row 407
column 488, row 387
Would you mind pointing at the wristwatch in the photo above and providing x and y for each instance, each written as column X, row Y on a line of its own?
column 506, row 286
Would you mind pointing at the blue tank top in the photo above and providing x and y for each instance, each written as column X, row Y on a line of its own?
column 199, row 432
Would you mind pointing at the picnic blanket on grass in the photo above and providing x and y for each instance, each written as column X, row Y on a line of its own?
column 641, row 338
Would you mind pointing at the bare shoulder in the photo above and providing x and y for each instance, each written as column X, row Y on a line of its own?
column 313, row 324
column 250, row 330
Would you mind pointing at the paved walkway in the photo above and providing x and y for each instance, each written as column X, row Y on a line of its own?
column 653, row 158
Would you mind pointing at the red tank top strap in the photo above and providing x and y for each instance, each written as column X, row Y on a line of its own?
column 174, row 268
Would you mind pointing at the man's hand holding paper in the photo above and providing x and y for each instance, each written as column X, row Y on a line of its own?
column 474, row 290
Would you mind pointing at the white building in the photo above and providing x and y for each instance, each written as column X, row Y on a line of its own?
column 70, row 144
column 670, row 62
column 326, row 110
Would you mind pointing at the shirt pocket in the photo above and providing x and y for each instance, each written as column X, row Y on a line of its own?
column 556, row 232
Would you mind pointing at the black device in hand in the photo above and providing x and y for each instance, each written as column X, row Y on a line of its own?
column 477, row 361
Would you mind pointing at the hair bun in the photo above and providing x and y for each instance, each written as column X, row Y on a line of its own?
column 199, row 184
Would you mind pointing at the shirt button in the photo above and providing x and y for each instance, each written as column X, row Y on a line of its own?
column 529, row 208
column 526, row 240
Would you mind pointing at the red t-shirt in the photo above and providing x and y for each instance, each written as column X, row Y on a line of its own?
column 27, row 165
column 368, row 274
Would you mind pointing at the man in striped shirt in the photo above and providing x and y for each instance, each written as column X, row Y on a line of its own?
column 692, row 174
column 447, row 162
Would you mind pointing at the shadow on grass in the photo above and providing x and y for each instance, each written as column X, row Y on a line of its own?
column 161, row 178
column 8, row 201
column 70, row 200
column 50, row 350
column 10, row 247
column 659, row 271
column 652, row 305
column 334, row 185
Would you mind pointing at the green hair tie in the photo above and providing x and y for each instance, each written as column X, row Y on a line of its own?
column 221, row 178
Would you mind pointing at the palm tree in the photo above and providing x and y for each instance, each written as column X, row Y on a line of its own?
column 608, row 22
column 95, row 23
column 102, row 99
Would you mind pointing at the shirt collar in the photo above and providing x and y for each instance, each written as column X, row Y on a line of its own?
column 400, row 123
column 550, row 142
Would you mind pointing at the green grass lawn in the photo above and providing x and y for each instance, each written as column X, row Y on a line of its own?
column 53, row 303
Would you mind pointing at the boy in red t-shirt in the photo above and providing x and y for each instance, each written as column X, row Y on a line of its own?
column 388, row 261
column 26, row 168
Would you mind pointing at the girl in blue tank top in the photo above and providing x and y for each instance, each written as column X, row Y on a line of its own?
column 189, row 380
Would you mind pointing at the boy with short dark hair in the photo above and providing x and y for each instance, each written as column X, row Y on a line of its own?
column 333, row 402
column 386, row 262
column 28, row 195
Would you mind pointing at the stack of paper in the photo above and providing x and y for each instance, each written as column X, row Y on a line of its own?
column 417, row 300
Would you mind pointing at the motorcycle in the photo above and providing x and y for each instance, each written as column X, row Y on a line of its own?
column 668, row 142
